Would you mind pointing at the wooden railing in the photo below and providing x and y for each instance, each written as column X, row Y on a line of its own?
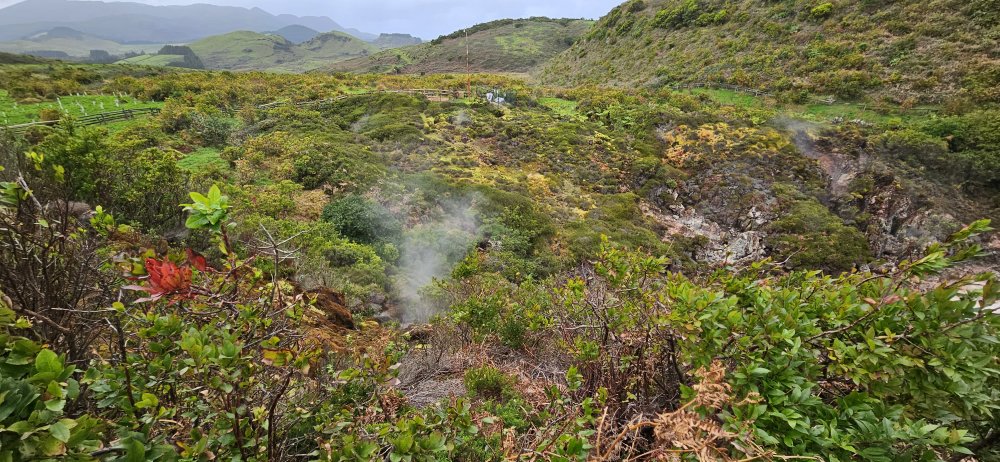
column 93, row 119
column 828, row 100
column 723, row 86
column 425, row 92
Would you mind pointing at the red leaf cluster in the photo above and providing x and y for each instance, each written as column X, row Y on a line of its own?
column 166, row 278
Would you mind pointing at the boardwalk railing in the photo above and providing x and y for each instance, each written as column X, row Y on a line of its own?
column 93, row 119
column 723, row 86
column 828, row 100
column 425, row 92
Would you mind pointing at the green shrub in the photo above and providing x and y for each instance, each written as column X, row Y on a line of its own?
column 362, row 220
column 975, row 139
column 36, row 387
column 821, row 11
column 681, row 15
column 489, row 383
column 212, row 130
column 810, row 236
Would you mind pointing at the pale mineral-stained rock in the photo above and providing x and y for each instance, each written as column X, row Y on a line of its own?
column 724, row 245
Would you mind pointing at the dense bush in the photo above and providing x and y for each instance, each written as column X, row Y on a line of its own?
column 975, row 139
column 39, row 392
column 809, row 236
column 821, row 11
column 362, row 220
column 683, row 14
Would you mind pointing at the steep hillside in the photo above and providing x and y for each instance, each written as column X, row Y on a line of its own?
column 246, row 50
column 500, row 46
column 329, row 47
column 909, row 51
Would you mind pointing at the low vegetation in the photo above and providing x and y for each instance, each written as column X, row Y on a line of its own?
column 328, row 267
column 499, row 46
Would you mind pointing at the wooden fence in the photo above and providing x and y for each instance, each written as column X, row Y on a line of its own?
column 93, row 119
column 723, row 86
column 430, row 93
column 828, row 100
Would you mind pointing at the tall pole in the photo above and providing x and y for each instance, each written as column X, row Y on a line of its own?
column 468, row 67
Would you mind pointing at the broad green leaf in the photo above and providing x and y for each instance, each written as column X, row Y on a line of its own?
column 48, row 361
column 59, row 431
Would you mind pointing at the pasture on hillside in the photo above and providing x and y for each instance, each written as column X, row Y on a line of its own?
column 13, row 113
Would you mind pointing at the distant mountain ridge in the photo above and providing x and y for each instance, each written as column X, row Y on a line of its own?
column 128, row 22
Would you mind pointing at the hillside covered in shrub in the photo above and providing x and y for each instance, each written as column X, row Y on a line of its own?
column 910, row 51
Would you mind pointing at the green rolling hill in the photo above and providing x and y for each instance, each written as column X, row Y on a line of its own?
column 330, row 47
column 907, row 51
column 246, row 50
column 71, row 42
column 500, row 46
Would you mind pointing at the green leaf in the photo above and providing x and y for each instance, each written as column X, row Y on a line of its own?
column 55, row 405
column 148, row 400
column 59, row 431
column 48, row 361
column 135, row 451
column 51, row 446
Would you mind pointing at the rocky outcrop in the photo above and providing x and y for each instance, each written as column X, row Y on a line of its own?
column 721, row 244
column 897, row 221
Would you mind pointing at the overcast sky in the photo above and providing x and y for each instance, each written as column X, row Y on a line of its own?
column 424, row 18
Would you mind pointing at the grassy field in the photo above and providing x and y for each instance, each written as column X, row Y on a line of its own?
column 204, row 159
column 563, row 107
column 76, row 47
column 12, row 113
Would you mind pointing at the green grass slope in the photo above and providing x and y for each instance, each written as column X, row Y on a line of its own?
column 499, row 46
column 73, row 43
column 329, row 47
column 255, row 51
column 244, row 50
column 908, row 51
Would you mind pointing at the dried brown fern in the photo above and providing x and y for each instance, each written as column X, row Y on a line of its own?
column 694, row 429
